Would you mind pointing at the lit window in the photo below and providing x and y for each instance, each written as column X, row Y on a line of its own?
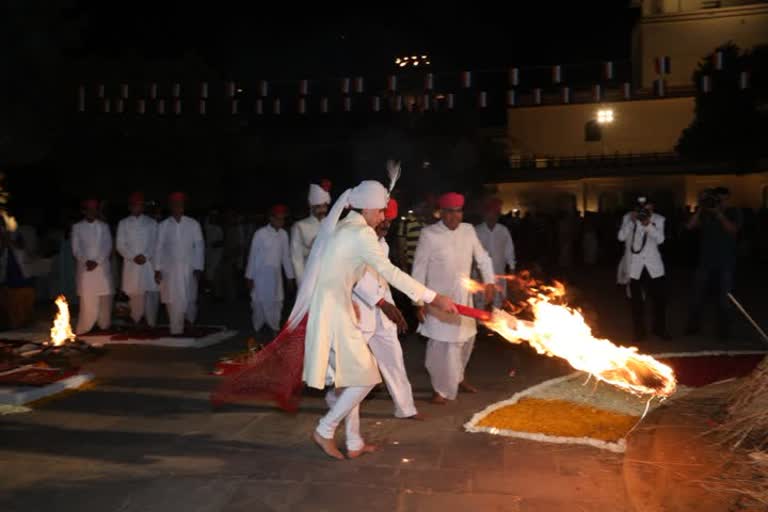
column 605, row 116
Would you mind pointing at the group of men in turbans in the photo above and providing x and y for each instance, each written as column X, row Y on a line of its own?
column 343, row 272
column 161, row 262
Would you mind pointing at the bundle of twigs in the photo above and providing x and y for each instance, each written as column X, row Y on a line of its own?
column 747, row 421
column 746, row 478
column 744, row 431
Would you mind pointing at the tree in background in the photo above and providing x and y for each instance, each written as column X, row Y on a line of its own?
column 730, row 123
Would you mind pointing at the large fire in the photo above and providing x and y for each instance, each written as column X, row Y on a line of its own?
column 61, row 332
column 557, row 330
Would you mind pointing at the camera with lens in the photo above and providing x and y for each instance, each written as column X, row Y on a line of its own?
column 642, row 209
column 642, row 213
column 710, row 199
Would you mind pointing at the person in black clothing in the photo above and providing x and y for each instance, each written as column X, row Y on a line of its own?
column 718, row 226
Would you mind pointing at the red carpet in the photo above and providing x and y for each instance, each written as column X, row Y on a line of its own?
column 702, row 370
column 34, row 376
column 154, row 333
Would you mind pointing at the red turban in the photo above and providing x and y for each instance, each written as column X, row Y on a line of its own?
column 325, row 184
column 279, row 209
column 391, row 212
column 90, row 203
column 451, row 201
column 177, row 196
column 492, row 205
column 136, row 198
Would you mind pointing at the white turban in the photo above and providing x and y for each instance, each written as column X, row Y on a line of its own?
column 317, row 195
column 369, row 195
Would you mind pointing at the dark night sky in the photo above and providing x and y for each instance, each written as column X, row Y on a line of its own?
column 296, row 41
column 52, row 45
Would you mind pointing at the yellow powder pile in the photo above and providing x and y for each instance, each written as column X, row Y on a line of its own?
column 559, row 418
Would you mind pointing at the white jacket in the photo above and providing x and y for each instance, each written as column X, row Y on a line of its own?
column 443, row 258
column 92, row 241
column 179, row 251
column 137, row 235
column 642, row 246
column 269, row 252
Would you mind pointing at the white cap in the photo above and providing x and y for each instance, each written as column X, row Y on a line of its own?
column 317, row 195
column 369, row 195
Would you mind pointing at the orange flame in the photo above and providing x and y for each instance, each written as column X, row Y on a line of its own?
column 471, row 285
column 557, row 330
column 61, row 332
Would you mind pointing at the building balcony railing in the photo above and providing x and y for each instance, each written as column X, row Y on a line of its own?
column 592, row 161
column 545, row 168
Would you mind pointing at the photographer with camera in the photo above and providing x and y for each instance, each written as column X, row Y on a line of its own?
column 642, row 231
column 718, row 226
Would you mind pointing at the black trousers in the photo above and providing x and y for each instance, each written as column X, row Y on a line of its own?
column 655, row 290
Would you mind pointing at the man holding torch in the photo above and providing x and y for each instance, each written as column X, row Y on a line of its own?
column 443, row 261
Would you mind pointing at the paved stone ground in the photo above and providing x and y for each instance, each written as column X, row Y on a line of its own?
column 144, row 439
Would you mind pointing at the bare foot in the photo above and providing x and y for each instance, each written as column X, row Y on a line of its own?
column 328, row 446
column 368, row 448
column 438, row 399
column 417, row 417
column 466, row 387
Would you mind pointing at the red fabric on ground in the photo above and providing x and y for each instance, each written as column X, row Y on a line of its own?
column 273, row 373
column 154, row 333
column 702, row 370
column 35, row 376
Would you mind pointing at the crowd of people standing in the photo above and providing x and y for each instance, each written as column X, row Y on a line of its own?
column 340, row 257
column 43, row 262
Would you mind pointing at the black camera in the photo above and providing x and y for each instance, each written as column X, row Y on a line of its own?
column 642, row 213
column 710, row 199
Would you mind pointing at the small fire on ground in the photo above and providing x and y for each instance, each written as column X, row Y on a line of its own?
column 555, row 329
column 61, row 332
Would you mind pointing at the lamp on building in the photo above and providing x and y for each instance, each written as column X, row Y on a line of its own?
column 413, row 61
column 605, row 116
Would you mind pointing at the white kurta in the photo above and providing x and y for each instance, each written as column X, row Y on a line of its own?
column 331, row 324
column 92, row 241
column 269, row 252
column 638, row 256
column 443, row 258
column 381, row 333
column 137, row 235
column 497, row 242
column 303, row 234
column 268, row 257
column 179, row 251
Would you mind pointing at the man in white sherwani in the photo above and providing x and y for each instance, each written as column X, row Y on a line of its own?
column 303, row 232
column 443, row 260
column 380, row 321
column 497, row 242
column 136, row 239
column 268, row 258
column 92, row 248
column 179, row 262
column 336, row 353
